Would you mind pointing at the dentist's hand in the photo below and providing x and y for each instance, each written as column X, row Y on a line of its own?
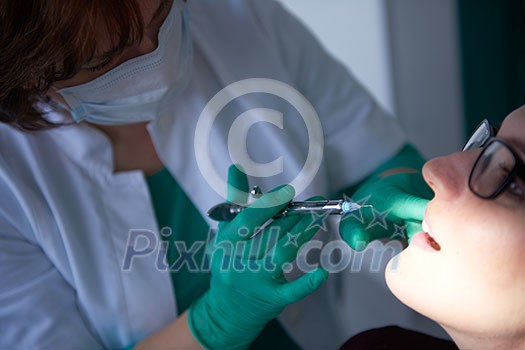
column 399, row 202
column 248, row 288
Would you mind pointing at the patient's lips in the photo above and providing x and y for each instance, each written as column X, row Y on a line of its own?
column 432, row 242
column 425, row 226
column 425, row 239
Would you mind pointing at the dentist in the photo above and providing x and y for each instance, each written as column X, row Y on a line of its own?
column 99, row 104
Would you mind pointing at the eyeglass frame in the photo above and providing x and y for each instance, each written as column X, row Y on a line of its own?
column 517, row 169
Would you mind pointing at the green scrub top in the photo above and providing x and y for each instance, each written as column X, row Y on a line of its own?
column 174, row 210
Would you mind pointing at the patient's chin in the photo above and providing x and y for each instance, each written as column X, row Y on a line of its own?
column 401, row 282
column 405, row 282
column 393, row 275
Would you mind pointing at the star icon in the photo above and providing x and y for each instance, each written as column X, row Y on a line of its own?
column 318, row 220
column 399, row 231
column 379, row 219
column 292, row 239
column 357, row 214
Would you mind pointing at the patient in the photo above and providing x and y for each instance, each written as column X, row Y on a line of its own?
column 467, row 271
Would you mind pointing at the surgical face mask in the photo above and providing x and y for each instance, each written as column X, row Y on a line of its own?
column 140, row 89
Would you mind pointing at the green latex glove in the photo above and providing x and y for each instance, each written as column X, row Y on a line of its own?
column 248, row 287
column 399, row 202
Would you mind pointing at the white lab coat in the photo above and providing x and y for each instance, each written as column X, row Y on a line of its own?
column 65, row 216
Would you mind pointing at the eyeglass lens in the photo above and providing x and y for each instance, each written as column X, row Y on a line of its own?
column 482, row 133
column 492, row 169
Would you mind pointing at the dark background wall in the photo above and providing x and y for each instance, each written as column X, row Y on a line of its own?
column 493, row 58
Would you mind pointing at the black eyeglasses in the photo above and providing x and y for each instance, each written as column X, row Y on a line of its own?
column 497, row 164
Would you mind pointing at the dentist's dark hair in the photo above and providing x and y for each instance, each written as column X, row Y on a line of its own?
column 44, row 41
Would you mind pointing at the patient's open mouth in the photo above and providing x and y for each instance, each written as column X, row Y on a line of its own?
column 425, row 240
column 430, row 239
column 432, row 242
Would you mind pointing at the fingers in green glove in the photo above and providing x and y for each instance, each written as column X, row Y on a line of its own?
column 408, row 196
column 294, row 291
column 392, row 194
column 237, row 191
column 360, row 229
column 413, row 227
column 266, row 240
column 257, row 214
column 285, row 251
column 359, row 233
column 407, row 207
column 354, row 233
column 238, row 188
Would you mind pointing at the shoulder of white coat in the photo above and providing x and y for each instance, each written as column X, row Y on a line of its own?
column 18, row 147
column 235, row 6
column 12, row 143
column 262, row 14
column 20, row 154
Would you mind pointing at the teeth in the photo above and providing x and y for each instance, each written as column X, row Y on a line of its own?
column 426, row 229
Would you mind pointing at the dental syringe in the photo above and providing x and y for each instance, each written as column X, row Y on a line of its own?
column 228, row 211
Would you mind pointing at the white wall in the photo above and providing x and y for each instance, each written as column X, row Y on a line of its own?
column 406, row 53
column 426, row 72
column 354, row 31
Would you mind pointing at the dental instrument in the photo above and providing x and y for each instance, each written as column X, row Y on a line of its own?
column 228, row 211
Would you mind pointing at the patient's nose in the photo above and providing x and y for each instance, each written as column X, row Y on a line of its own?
column 448, row 176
